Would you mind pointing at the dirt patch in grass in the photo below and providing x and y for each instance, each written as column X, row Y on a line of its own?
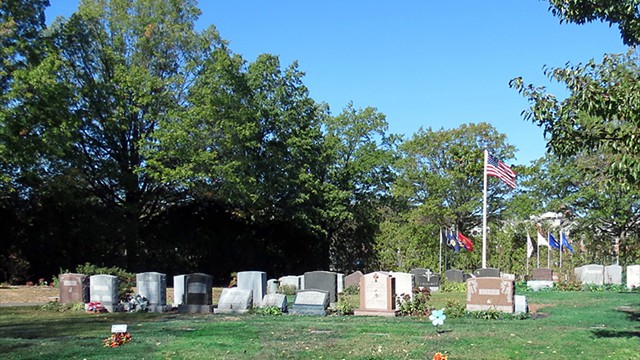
column 28, row 294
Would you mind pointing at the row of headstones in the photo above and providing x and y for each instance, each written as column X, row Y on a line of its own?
column 78, row 288
column 594, row 274
column 192, row 292
column 591, row 274
column 484, row 292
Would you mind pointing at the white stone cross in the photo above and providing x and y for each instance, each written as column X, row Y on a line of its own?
column 428, row 273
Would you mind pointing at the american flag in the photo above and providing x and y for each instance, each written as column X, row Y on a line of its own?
column 500, row 170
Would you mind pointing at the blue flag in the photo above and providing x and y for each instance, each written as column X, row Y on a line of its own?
column 452, row 240
column 553, row 242
column 565, row 243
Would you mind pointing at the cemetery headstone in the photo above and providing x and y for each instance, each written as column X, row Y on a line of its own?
column 178, row 289
column 377, row 295
column 353, row 279
column 310, row 302
column 455, row 275
column 198, row 295
column 104, row 288
column 592, row 274
column 521, row 304
column 234, row 301
column 340, row 285
column 301, row 282
column 153, row 287
column 256, row 281
column 488, row 272
column 433, row 282
column 405, row 282
column 322, row 280
column 542, row 274
column 272, row 286
column 613, row 274
column 487, row 293
column 276, row 300
column 290, row 281
column 74, row 288
column 633, row 276
column 541, row 278
column 420, row 276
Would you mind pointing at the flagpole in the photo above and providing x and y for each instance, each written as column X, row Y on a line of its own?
column 538, row 249
column 440, row 250
column 548, row 250
column 527, row 252
column 484, row 212
column 560, row 241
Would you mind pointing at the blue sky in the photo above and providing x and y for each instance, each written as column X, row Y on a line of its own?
column 422, row 63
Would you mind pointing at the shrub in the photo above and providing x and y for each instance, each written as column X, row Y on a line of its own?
column 521, row 286
column 418, row 306
column 352, row 290
column 56, row 306
column 345, row 306
column 568, row 285
column 455, row 309
column 287, row 289
column 267, row 311
column 450, row 286
column 491, row 314
column 127, row 279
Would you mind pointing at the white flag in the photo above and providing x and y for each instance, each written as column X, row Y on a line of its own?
column 529, row 246
column 542, row 241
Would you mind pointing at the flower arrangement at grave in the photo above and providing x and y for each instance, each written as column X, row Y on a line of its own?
column 117, row 339
column 138, row 303
column 95, row 306
column 440, row 356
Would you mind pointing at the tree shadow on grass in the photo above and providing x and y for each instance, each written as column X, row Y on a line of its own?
column 602, row 333
column 632, row 311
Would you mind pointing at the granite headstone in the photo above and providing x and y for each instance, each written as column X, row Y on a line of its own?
column 234, row 301
column 104, row 288
column 74, row 288
column 310, row 302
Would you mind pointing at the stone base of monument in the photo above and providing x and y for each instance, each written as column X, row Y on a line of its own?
column 195, row 309
column 369, row 312
column 304, row 309
column 159, row 308
column 230, row 311
column 114, row 307
column 434, row 288
column 537, row 285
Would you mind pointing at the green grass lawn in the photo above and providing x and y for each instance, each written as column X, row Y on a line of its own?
column 569, row 325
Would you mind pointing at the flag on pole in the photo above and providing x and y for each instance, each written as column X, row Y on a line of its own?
column 501, row 170
column 553, row 242
column 565, row 242
column 529, row 246
column 452, row 241
column 541, row 240
column 465, row 241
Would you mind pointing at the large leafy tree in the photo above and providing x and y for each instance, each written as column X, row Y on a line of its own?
column 599, row 115
column 360, row 155
column 624, row 13
column 113, row 71
column 440, row 184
